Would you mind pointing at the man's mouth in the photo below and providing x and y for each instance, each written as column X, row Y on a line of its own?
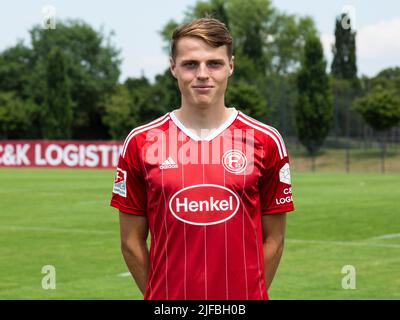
column 202, row 87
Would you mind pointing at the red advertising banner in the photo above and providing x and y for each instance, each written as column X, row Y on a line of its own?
column 59, row 153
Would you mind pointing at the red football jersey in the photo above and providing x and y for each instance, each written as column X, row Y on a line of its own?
column 204, row 199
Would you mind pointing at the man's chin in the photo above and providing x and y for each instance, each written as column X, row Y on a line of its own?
column 206, row 102
column 203, row 104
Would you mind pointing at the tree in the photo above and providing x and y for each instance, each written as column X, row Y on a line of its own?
column 93, row 70
column 164, row 96
column 381, row 110
column 17, row 116
column 57, row 114
column 314, row 105
column 247, row 98
column 121, row 114
column 273, row 41
column 344, row 65
column 16, row 65
column 267, row 47
column 388, row 78
column 212, row 8
column 154, row 100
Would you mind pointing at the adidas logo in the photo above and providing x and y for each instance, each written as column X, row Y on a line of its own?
column 168, row 164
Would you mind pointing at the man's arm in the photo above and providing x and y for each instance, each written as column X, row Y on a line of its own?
column 273, row 227
column 134, row 231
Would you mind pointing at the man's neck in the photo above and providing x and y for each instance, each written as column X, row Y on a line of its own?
column 203, row 119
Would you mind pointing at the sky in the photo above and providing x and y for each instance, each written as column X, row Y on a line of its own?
column 136, row 24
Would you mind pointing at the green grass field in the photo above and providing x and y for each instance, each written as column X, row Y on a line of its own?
column 62, row 218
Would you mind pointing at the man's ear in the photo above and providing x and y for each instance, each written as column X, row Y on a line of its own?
column 172, row 65
column 231, row 65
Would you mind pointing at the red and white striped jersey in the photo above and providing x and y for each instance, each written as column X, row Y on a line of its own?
column 204, row 199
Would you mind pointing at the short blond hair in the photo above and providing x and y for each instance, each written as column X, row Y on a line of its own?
column 212, row 31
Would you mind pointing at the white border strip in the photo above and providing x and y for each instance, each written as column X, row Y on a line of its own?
column 263, row 125
column 264, row 131
column 194, row 136
column 142, row 130
column 126, row 142
column 180, row 125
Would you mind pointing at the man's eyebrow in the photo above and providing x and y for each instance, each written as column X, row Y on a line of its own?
column 195, row 61
column 188, row 61
column 217, row 60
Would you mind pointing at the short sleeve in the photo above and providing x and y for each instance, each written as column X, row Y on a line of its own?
column 275, row 182
column 129, row 189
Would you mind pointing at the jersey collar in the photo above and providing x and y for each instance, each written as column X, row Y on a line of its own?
column 212, row 135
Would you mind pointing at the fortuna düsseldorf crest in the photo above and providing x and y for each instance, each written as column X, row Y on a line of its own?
column 204, row 204
column 234, row 161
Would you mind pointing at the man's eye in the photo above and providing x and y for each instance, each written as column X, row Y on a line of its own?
column 215, row 64
column 189, row 65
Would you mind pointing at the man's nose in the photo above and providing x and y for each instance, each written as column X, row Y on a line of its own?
column 202, row 72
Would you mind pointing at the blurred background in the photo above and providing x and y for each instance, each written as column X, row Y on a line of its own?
column 325, row 74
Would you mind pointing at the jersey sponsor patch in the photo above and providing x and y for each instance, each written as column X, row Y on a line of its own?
column 120, row 183
column 284, row 174
column 204, row 204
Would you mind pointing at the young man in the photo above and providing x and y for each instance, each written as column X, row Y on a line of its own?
column 210, row 183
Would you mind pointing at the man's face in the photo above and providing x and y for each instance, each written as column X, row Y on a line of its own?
column 201, row 70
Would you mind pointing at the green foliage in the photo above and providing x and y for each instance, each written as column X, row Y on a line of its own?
column 346, row 122
column 289, row 33
column 281, row 93
column 267, row 47
column 154, row 100
column 314, row 105
column 16, row 70
column 271, row 40
column 344, row 51
column 121, row 113
column 213, row 8
column 380, row 108
column 247, row 98
column 249, row 27
column 93, row 69
column 164, row 96
column 57, row 115
column 138, row 102
column 388, row 78
column 390, row 74
column 17, row 117
column 166, row 33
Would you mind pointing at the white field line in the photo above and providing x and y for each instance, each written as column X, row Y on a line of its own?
column 56, row 230
column 386, row 236
column 88, row 231
column 323, row 242
column 124, row 274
